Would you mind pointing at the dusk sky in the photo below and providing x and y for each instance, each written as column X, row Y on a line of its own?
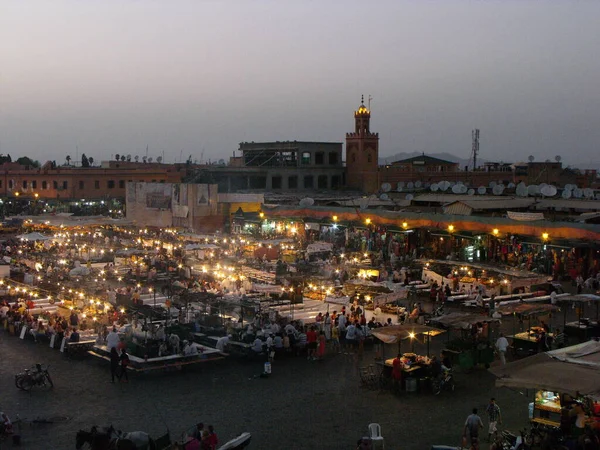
column 113, row 76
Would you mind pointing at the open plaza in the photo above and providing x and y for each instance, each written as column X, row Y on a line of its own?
column 290, row 335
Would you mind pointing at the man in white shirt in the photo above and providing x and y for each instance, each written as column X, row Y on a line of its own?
column 502, row 346
column 189, row 349
column 112, row 339
column 257, row 347
column 222, row 343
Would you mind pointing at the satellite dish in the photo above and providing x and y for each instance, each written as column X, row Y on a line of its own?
column 471, row 192
column 546, row 191
column 400, row 184
column 481, row 190
column 427, row 184
column 456, row 189
column 566, row 194
column 136, row 158
column 588, row 193
column 531, row 158
column 577, row 193
column 492, row 184
column 410, row 185
column 221, row 162
column 409, row 197
column 399, row 189
column 497, row 190
column 533, row 189
column 386, row 187
column 459, row 183
column 159, row 159
column 144, row 158
column 150, row 159
column 557, row 158
column 552, row 190
column 542, row 186
column 418, row 184
column 434, row 187
column 307, row 201
column 522, row 190
column 462, row 189
column 444, row 185
column 384, row 197
column 511, row 185
column 128, row 157
column 363, row 203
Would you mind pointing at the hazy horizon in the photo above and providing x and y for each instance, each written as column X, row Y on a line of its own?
column 188, row 76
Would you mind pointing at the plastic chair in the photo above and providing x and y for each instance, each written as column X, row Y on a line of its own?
column 375, row 434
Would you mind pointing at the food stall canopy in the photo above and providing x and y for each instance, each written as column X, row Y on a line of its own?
column 395, row 333
column 571, row 370
column 579, row 298
column 201, row 247
column 526, row 309
column 392, row 297
column 461, row 320
column 319, row 247
column 35, row 236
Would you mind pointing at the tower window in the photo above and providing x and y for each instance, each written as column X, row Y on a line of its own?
column 305, row 158
column 44, row 184
column 81, row 184
column 333, row 158
column 369, row 158
column 276, row 182
column 320, row 158
column 353, row 157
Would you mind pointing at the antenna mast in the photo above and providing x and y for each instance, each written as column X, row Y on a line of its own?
column 369, row 98
column 475, row 146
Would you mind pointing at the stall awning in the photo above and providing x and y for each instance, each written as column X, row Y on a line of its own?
column 395, row 333
column 571, row 370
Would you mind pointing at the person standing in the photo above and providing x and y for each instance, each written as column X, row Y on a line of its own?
column 502, row 346
column 114, row 363
column 494, row 417
column 321, row 348
column 472, row 426
column 213, row 440
column 311, row 340
column 112, row 339
column 124, row 359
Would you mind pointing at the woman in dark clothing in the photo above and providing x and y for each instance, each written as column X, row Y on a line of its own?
column 114, row 363
column 124, row 359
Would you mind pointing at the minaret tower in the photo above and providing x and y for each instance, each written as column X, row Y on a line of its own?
column 362, row 153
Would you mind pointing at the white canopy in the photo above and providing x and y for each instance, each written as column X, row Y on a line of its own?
column 35, row 236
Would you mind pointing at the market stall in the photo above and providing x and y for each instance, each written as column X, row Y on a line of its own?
column 566, row 382
column 534, row 337
column 415, row 368
column 583, row 328
column 474, row 344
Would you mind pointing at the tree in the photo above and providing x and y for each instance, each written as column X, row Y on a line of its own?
column 117, row 157
column 68, row 158
column 84, row 161
column 27, row 161
column 91, row 161
column 123, row 158
column 5, row 159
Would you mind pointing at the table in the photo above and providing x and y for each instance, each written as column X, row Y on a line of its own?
column 528, row 341
column 582, row 329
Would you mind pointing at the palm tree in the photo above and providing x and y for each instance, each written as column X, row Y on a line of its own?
column 68, row 158
column 91, row 160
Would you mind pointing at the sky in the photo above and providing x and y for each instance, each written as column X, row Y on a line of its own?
column 196, row 77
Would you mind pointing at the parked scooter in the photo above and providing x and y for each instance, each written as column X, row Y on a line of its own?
column 444, row 382
column 37, row 376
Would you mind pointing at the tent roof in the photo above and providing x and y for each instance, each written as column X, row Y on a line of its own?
column 394, row 333
column 461, row 320
column 571, row 370
column 579, row 298
column 526, row 309
column 34, row 236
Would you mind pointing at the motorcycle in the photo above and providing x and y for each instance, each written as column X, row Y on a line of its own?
column 36, row 376
column 444, row 382
column 512, row 442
